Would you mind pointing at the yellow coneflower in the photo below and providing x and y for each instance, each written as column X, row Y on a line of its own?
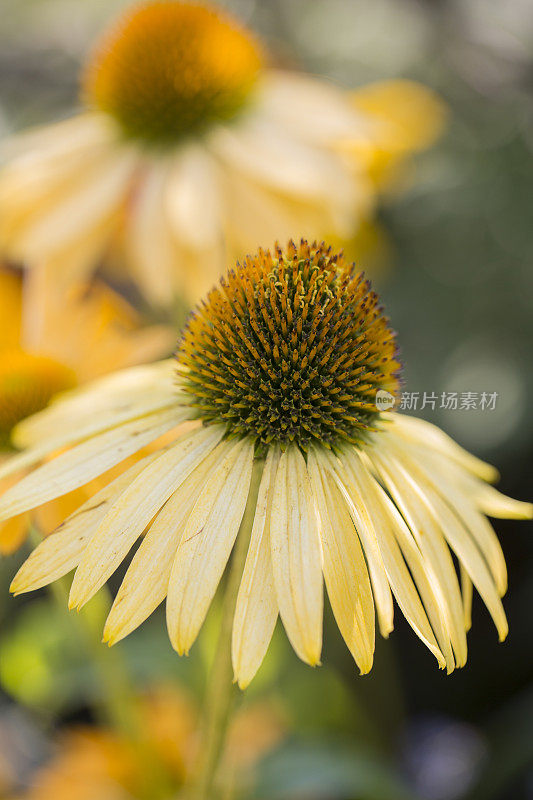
column 192, row 149
column 279, row 368
column 94, row 332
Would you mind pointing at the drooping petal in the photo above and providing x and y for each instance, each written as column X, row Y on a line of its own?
column 135, row 507
column 61, row 551
column 467, row 590
column 297, row 557
column 192, row 198
column 422, row 432
column 152, row 248
column 86, row 461
column 365, row 529
column 445, row 518
column 85, row 206
column 145, row 584
column 42, row 167
column 290, row 98
column 396, row 544
column 495, row 504
column 206, row 544
column 345, row 570
column 409, row 498
column 256, row 611
column 103, row 404
column 453, row 484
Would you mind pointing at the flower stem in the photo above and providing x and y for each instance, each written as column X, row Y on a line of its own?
column 220, row 692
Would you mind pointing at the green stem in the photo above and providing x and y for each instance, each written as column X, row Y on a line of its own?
column 221, row 692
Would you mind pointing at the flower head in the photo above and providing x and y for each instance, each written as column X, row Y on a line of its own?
column 169, row 70
column 27, row 384
column 291, row 348
column 372, row 503
column 191, row 149
column 93, row 331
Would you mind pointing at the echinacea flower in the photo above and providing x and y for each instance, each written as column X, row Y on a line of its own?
column 279, row 368
column 93, row 331
column 192, row 149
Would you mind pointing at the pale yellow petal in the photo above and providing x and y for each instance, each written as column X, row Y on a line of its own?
column 495, row 504
column 412, row 503
column 430, row 436
column 82, row 132
column 104, row 402
column 256, row 611
column 39, row 171
column 152, row 248
column 467, row 553
column 457, row 488
column 389, row 526
column 206, row 544
column 365, row 529
column 277, row 160
column 423, row 578
column 467, row 590
column 83, row 207
column 297, row 556
column 145, row 584
column 192, row 198
column 291, row 99
column 86, row 461
column 135, row 508
column 61, row 552
column 345, row 570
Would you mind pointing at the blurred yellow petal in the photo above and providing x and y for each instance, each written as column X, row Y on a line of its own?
column 408, row 117
column 13, row 533
column 10, row 309
column 411, row 116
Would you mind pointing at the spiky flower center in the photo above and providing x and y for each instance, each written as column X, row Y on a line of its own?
column 169, row 70
column 27, row 384
column 293, row 346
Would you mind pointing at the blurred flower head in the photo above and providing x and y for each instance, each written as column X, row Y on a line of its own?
column 280, row 373
column 192, row 149
column 88, row 333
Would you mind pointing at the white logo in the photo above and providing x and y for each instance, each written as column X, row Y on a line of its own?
column 384, row 400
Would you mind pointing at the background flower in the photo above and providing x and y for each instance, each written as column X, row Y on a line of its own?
column 85, row 334
column 171, row 178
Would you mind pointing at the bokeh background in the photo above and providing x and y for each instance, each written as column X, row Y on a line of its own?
column 455, row 269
